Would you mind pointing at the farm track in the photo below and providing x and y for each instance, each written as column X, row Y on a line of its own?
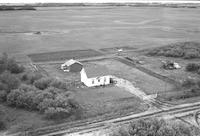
column 147, row 71
column 93, row 126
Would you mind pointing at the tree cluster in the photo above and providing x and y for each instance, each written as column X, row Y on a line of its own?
column 156, row 127
column 34, row 91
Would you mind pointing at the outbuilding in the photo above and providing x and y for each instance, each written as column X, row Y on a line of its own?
column 94, row 77
column 72, row 66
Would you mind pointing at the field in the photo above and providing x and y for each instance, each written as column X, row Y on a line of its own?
column 56, row 34
column 76, row 28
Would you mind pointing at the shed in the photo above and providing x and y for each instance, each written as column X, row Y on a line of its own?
column 72, row 66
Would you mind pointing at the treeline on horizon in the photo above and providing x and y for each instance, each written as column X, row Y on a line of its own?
column 153, row 4
column 25, row 7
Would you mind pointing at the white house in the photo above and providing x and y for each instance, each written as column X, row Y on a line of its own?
column 72, row 66
column 94, row 77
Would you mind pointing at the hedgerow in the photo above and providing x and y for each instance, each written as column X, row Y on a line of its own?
column 185, row 50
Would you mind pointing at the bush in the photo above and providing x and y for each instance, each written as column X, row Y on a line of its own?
column 45, row 104
column 10, row 64
column 58, row 84
column 9, row 81
column 30, row 77
column 13, row 67
column 192, row 67
column 43, row 83
column 13, row 97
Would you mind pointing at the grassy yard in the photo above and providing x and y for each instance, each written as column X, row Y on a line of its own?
column 107, row 101
column 145, row 82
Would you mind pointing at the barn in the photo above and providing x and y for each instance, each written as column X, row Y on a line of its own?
column 94, row 77
column 72, row 66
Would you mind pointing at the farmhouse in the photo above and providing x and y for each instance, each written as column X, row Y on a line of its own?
column 72, row 66
column 94, row 77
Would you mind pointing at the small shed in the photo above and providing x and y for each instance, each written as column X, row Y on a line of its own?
column 72, row 66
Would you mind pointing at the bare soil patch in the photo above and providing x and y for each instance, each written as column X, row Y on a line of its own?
column 63, row 55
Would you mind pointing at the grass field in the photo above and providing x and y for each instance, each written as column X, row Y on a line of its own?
column 145, row 82
column 107, row 101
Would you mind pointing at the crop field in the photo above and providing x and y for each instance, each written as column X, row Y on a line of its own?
column 63, row 55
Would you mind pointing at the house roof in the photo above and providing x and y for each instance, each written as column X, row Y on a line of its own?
column 96, row 71
column 71, row 61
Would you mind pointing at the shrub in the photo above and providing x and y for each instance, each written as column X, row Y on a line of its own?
column 58, row 84
column 43, row 83
column 9, row 80
column 13, row 97
column 30, row 77
column 10, row 64
column 191, row 67
column 13, row 67
column 45, row 104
